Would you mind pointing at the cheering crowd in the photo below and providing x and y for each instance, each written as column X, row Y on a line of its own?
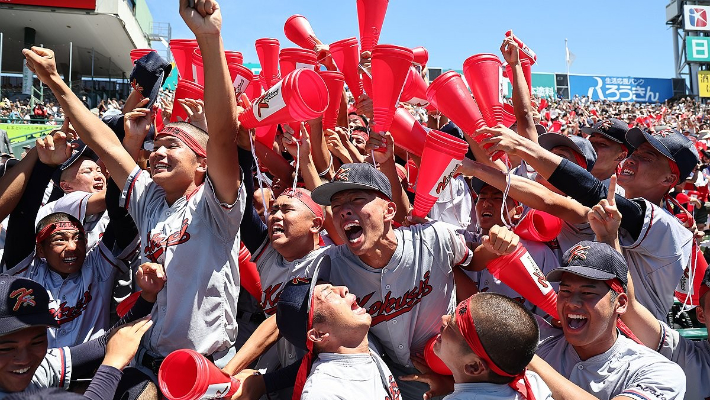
column 305, row 270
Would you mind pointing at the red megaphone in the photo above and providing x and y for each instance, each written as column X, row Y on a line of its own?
column 300, row 96
column 390, row 65
column 432, row 360
column 482, row 72
column 448, row 94
column 234, row 57
column 254, row 89
column 182, row 51
column 136, row 54
column 241, row 77
column 268, row 52
column 421, row 56
column 407, row 132
column 346, row 56
column 298, row 30
column 441, row 158
column 414, row 90
column 185, row 90
column 334, row 81
column 266, row 134
column 692, row 278
column 248, row 274
column 525, row 51
column 527, row 72
column 370, row 16
column 519, row 271
column 188, row 375
column 293, row 58
column 538, row 226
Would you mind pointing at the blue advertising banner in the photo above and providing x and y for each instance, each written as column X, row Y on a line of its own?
column 627, row 89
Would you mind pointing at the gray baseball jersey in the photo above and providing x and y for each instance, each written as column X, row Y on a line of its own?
column 657, row 258
column 80, row 302
column 350, row 376
column 692, row 356
column 626, row 369
column 54, row 371
column 407, row 297
column 494, row 391
column 197, row 240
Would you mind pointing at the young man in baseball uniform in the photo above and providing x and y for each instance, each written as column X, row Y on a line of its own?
column 589, row 351
column 404, row 276
column 655, row 244
column 188, row 210
column 327, row 321
column 487, row 344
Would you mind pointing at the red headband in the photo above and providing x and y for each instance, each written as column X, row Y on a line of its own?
column 307, row 362
column 185, row 137
column 305, row 197
column 54, row 227
column 616, row 286
column 464, row 320
column 581, row 161
column 704, row 289
column 674, row 170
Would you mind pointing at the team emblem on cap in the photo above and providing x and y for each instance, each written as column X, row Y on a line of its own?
column 342, row 175
column 606, row 124
column 24, row 298
column 136, row 86
column 579, row 252
column 664, row 132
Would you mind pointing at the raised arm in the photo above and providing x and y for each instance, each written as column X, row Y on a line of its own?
column 521, row 96
column 97, row 135
column 205, row 21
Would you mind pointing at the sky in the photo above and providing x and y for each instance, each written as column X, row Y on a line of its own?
column 614, row 38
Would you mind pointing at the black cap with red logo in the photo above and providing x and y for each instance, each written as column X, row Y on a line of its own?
column 24, row 303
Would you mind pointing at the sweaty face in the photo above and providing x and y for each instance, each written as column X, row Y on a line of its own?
column 449, row 343
column 646, row 169
column 21, row 353
column 64, row 251
column 608, row 153
column 342, row 313
column 172, row 163
column 488, row 206
column 289, row 220
column 84, row 176
column 587, row 314
column 359, row 218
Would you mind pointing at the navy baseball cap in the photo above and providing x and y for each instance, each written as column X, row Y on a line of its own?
column 592, row 260
column 672, row 144
column 293, row 311
column 24, row 303
column 149, row 74
column 354, row 176
column 579, row 144
column 612, row 129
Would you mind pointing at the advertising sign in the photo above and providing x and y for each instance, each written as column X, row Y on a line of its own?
column 623, row 89
column 696, row 18
column 704, row 83
column 81, row 4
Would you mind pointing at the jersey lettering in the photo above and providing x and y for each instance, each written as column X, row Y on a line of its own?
column 157, row 243
column 271, row 298
column 24, row 298
column 65, row 313
column 391, row 307
column 393, row 390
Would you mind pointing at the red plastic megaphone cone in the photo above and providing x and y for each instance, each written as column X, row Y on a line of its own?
column 298, row 30
column 449, row 94
column 407, row 132
column 685, row 288
column 248, row 274
column 421, row 56
column 519, row 271
column 432, row 360
column 126, row 304
column 254, row 88
column 182, row 51
column 412, row 172
column 188, row 375
column 347, row 58
column 390, row 65
column 136, row 54
column 300, row 96
column 525, row 64
column 198, row 70
column 441, row 158
column 233, row 57
column 538, row 226
column 266, row 134
column 334, row 81
column 268, row 52
column 370, row 16
column 241, row 77
column 185, row 90
column 294, row 58
column 414, row 91
column 482, row 72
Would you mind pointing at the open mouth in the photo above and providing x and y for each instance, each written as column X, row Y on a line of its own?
column 98, row 186
column 487, row 214
column 277, row 229
column 69, row 260
column 160, row 166
column 353, row 231
column 356, row 309
column 22, row 371
column 627, row 172
column 576, row 321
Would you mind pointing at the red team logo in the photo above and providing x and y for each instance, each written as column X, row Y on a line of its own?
column 65, row 313
column 158, row 244
column 697, row 17
column 24, row 298
column 579, row 252
column 391, row 307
